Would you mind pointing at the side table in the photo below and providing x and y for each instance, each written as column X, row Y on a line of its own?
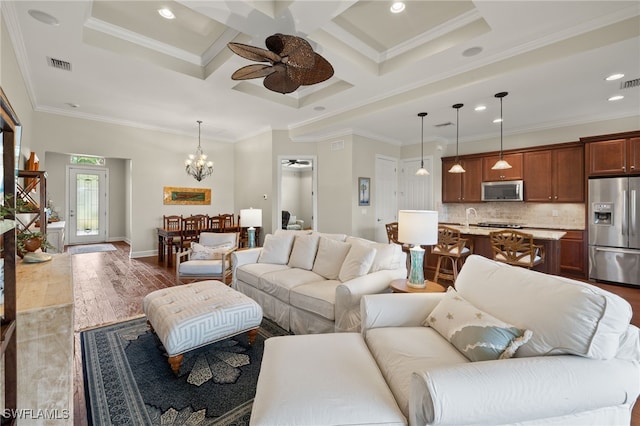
column 400, row 286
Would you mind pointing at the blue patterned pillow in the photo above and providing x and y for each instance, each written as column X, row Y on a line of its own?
column 476, row 334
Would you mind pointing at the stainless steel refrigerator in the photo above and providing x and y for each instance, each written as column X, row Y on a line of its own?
column 614, row 237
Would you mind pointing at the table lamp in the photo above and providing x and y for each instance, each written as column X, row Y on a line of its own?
column 251, row 218
column 417, row 227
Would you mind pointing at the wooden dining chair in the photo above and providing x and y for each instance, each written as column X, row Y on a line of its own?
column 192, row 226
column 173, row 223
column 228, row 221
column 516, row 248
column 216, row 224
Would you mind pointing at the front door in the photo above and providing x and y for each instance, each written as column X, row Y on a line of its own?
column 87, row 205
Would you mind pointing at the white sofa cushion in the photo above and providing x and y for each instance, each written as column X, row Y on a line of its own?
column 400, row 351
column 276, row 249
column 200, row 267
column 357, row 263
column 337, row 237
column 280, row 283
column 317, row 297
column 304, row 251
column 388, row 256
column 251, row 272
column 330, row 256
column 565, row 316
column 476, row 334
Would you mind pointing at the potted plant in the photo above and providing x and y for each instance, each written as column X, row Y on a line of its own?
column 30, row 241
column 7, row 211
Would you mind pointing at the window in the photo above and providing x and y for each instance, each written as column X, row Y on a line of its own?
column 87, row 160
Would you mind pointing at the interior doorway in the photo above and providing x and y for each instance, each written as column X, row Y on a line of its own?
column 87, row 204
column 297, row 192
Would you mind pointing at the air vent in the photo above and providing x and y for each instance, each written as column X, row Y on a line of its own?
column 337, row 145
column 59, row 64
column 448, row 123
column 630, row 84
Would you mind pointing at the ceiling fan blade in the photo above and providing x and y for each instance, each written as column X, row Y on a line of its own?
column 253, row 71
column 321, row 71
column 253, row 53
column 280, row 82
column 293, row 50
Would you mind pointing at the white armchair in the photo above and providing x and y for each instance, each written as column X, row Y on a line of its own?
column 209, row 258
column 295, row 223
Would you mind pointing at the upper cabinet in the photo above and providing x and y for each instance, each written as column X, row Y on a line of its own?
column 554, row 175
column 613, row 155
column 514, row 173
column 461, row 187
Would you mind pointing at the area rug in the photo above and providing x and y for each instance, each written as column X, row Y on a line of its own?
column 90, row 248
column 128, row 380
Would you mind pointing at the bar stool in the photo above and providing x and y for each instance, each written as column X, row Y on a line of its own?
column 516, row 248
column 451, row 248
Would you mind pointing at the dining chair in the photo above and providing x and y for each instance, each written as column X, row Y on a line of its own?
column 173, row 223
column 192, row 226
column 516, row 248
column 450, row 248
column 392, row 232
column 228, row 221
column 216, row 224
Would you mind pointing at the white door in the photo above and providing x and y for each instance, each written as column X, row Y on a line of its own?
column 416, row 192
column 87, row 205
column 386, row 201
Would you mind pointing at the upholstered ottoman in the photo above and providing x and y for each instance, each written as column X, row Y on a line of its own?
column 193, row 315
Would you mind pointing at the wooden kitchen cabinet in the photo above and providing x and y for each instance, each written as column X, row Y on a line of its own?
column 462, row 187
column 616, row 156
column 514, row 173
column 554, row 175
column 572, row 255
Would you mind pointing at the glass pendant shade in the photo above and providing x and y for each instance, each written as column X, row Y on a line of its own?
column 422, row 171
column 457, row 167
column 501, row 164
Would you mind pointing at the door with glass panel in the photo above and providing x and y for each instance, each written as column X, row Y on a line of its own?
column 87, row 205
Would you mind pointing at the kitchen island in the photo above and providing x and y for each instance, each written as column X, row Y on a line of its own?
column 479, row 236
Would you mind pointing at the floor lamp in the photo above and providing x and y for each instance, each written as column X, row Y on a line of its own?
column 417, row 227
column 251, row 218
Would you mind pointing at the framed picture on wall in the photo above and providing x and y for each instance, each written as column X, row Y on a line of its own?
column 364, row 191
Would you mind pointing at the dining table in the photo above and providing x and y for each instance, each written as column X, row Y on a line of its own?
column 165, row 244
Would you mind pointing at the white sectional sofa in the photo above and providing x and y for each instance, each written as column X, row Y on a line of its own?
column 313, row 282
column 508, row 346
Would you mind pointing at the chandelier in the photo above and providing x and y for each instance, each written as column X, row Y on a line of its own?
column 197, row 165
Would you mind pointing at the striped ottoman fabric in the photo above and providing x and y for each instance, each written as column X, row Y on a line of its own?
column 193, row 315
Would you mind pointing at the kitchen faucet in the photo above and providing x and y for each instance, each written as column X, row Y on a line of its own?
column 467, row 211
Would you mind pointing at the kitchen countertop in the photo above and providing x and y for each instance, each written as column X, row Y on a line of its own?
column 539, row 234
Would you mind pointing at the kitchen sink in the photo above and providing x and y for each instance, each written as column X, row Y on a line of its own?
column 498, row 225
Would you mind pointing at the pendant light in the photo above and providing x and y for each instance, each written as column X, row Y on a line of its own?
column 197, row 165
column 501, row 164
column 422, row 171
column 457, row 167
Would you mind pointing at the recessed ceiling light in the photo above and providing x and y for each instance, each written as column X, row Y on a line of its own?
column 497, row 120
column 472, row 51
column 166, row 13
column 480, row 108
column 73, row 105
column 43, row 17
column 319, row 108
column 616, row 98
column 613, row 77
column 397, row 7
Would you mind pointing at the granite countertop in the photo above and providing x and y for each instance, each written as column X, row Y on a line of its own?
column 539, row 234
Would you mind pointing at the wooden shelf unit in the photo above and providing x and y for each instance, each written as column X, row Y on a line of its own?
column 33, row 180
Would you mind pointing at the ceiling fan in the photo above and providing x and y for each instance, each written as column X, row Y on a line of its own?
column 296, row 163
column 293, row 63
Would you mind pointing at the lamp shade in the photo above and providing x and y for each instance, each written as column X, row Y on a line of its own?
column 418, row 227
column 251, row 218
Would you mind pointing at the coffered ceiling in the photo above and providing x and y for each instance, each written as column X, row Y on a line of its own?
column 128, row 65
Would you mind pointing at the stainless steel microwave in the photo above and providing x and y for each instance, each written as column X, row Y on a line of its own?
column 510, row 190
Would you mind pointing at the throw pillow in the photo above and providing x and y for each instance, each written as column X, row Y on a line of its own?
column 276, row 249
column 476, row 334
column 357, row 263
column 200, row 252
column 304, row 251
column 330, row 256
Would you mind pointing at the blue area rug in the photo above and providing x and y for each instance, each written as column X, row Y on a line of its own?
column 128, row 380
column 90, row 248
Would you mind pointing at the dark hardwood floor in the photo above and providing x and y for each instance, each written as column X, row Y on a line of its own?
column 109, row 287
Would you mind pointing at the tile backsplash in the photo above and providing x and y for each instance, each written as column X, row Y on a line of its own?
column 567, row 216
